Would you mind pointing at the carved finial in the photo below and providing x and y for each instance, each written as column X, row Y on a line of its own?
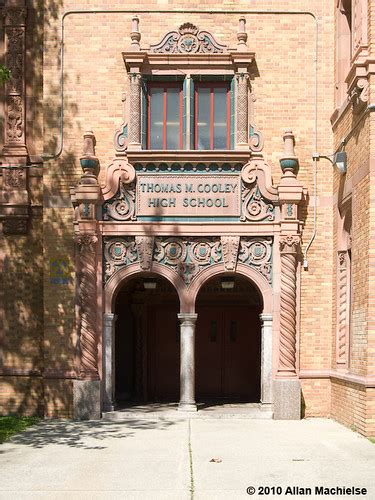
column 89, row 143
column 242, row 35
column 135, row 34
column 89, row 161
column 289, row 161
column 289, row 143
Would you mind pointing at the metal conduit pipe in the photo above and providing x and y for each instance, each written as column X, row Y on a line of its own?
column 47, row 156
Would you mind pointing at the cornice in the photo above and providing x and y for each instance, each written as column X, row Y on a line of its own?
column 188, row 156
column 145, row 60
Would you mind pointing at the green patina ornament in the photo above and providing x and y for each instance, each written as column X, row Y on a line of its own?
column 289, row 164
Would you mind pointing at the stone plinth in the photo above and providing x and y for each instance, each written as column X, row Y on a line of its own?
column 287, row 399
column 86, row 399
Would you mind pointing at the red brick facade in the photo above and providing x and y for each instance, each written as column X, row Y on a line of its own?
column 40, row 309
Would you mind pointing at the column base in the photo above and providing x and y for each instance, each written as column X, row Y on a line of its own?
column 134, row 146
column 86, row 399
column 287, row 399
column 108, row 407
column 187, row 407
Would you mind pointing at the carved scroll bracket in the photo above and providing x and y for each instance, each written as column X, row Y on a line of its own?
column 359, row 94
column 119, row 170
column 259, row 197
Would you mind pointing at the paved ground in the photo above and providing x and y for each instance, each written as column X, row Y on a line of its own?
column 166, row 459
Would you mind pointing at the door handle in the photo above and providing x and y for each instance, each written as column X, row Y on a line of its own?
column 213, row 331
column 233, row 331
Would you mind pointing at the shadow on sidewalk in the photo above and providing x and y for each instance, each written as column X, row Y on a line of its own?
column 88, row 435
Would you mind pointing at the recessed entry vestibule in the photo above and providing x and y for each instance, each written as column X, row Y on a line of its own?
column 222, row 353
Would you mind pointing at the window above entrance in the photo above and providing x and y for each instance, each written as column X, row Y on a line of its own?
column 189, row 92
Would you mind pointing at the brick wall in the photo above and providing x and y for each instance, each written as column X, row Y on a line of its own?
column 95, row 80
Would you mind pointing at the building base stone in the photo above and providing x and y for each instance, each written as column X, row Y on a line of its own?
column 187, row 407
column 287, row 400
column 86, row 399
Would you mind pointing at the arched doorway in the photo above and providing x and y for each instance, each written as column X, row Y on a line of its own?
column 147, row 341
column 228, row 341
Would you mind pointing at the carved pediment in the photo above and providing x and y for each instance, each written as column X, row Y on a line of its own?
column 188, row 39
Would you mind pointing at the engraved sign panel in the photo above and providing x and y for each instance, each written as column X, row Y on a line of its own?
column 188, row 195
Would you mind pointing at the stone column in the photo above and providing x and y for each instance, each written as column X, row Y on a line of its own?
column 87, row 293
column 242, row 110
column 135, row 111
column 287, row 386
column 86, row 390
column 187, row 362
column 266, row 359
column 109, row 321
column 287, row 350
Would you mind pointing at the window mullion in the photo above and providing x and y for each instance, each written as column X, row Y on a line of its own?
column 149, row 119
column 228, row 118
column 165, row 119
column 212, row 117
column 181, row 118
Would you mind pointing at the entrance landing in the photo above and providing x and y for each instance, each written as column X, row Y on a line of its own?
column 205, row 411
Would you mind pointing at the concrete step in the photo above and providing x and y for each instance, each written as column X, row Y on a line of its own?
column 170, row 411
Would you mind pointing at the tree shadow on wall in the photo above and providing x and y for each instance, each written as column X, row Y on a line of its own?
column 38, row 278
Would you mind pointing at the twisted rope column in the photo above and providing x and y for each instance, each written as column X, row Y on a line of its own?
column 242, row 107
column 87, row 295
column 342, row 309
column 287, row 350
column 135, row 109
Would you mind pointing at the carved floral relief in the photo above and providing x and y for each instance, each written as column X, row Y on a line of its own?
column 187, row 257
column 188, row 39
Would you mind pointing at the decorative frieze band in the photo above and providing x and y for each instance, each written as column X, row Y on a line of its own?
column 189, row 256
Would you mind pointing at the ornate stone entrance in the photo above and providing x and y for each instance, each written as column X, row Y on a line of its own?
column 189, row 215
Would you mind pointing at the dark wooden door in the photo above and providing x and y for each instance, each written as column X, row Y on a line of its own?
column 163, row 353
column 228, row 353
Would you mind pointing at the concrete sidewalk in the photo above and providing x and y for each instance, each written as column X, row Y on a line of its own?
column 166, row 458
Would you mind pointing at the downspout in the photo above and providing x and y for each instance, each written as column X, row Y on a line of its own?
column 47, row 156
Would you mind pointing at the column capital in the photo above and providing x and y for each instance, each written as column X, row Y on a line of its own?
column 266, row 317
column 289, row 244
column 109, row 317
column 187, row 317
